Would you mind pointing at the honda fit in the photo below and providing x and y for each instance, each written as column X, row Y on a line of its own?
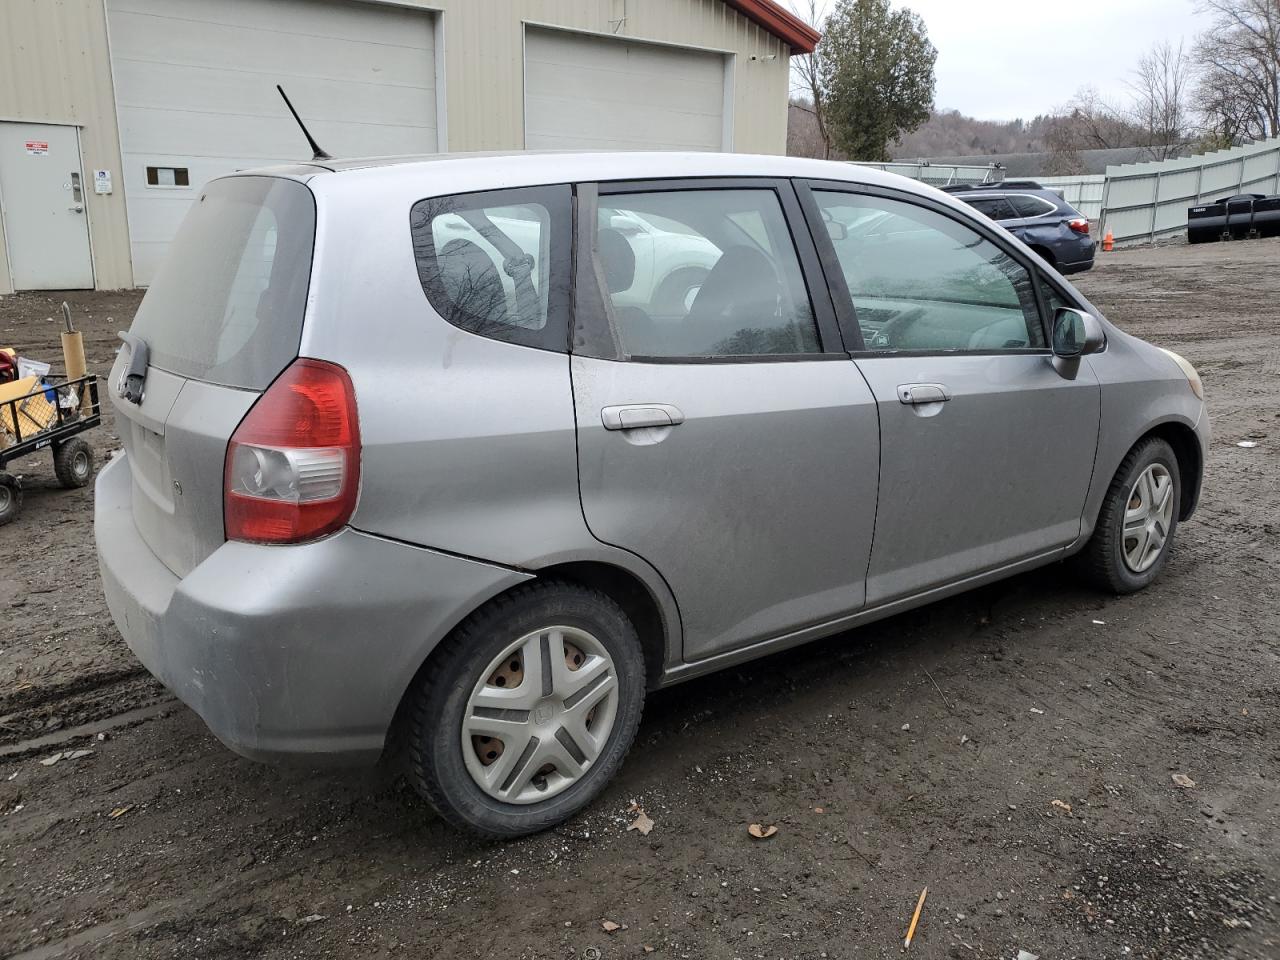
column 466, row 454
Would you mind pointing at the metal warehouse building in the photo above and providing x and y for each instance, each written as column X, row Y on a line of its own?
column 113, row 113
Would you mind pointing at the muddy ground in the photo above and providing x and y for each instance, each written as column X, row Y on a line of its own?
column 1012, row 749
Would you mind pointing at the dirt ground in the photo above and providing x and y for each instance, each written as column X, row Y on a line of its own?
column 1012, row 749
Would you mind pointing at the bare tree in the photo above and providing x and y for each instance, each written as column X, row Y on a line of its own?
column 1239, row 62
column 1223, row 112
column 1063, row 145
column 806, row 79
column 804, row 137
column 1160, row 109
column 1089, row 122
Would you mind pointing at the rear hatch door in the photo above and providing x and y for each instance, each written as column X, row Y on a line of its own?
column 221, row 321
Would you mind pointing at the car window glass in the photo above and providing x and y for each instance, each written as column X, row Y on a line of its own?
column 702, row 273
column 1053, row 299
column 1030, row 206
column 485, row 261
column 923, row 281
column 992, row 207
column 228, row 307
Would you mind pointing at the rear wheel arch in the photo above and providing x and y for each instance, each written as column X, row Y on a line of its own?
column 633, row 595
column 624, row 587
column 1045, row 254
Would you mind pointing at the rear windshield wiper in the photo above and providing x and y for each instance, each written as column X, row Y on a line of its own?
column 135, row 374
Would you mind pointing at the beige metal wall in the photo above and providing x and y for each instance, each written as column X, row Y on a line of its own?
column 54, row 69
column 484, row 61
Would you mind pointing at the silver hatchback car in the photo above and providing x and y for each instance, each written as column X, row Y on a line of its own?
column 468, row 453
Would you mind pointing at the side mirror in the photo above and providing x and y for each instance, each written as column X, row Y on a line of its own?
column 835, row 229
column 1075, row 334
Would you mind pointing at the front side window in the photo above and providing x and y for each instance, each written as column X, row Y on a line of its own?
column 497, row 263
column 702, row 273
column 923, row 281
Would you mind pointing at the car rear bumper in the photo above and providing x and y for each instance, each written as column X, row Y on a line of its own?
column 286, row 651
column 1077, row 266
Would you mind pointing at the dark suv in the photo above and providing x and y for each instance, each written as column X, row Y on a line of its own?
column 1038, row 217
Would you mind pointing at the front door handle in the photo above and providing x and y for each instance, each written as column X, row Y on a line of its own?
column 916, row 393
column 633, row 416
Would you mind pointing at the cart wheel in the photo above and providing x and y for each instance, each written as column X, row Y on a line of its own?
column 73, row 463
column 10, row 497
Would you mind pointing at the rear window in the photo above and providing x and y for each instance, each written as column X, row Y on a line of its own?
column 228, row 303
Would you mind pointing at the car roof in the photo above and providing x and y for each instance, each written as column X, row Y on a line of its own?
column 1002, row 185
column 448, row 173
column 1040, row 193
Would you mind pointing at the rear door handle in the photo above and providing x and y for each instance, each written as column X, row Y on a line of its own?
column 633, row 416
column 915, row 393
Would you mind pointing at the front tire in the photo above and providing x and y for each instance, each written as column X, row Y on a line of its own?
column 1134, row 534
column 527, row 710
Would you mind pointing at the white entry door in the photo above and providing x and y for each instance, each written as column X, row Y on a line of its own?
column 42, row 200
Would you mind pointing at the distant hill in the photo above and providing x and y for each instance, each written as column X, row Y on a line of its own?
column 946, row 133
column 950, row 133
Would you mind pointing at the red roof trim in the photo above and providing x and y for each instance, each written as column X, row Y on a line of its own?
column 782, row 23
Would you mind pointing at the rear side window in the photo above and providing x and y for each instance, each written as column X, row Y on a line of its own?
column 497, row 263
column 1031, row 206
column 995, row 208
column 228, row 303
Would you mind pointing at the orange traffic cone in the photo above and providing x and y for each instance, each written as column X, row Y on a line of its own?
column 1108, row 242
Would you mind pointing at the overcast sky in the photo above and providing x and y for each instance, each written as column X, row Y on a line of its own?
column 1002, row 59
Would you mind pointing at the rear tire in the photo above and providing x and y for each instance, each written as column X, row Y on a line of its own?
column 1134, row 534
column 455, row 752
column 73, row 463
column 10, row 498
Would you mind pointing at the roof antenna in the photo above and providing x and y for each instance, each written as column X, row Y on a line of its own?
column 316, row 152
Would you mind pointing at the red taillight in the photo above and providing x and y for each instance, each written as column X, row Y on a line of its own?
column 293, row 465
column 1079, row 226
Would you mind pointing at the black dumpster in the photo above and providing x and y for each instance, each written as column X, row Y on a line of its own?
column 1207, row 222
column 1266, row 216
column 1240, row 215
column 1234, row 218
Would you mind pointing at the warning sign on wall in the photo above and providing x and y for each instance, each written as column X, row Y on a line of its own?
column 38, row 148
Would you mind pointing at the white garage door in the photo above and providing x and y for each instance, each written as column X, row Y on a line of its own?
column 589, row 92
column 195, row 87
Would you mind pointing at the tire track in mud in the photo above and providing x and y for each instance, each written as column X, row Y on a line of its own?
column 128, row 718
column 35, row 713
